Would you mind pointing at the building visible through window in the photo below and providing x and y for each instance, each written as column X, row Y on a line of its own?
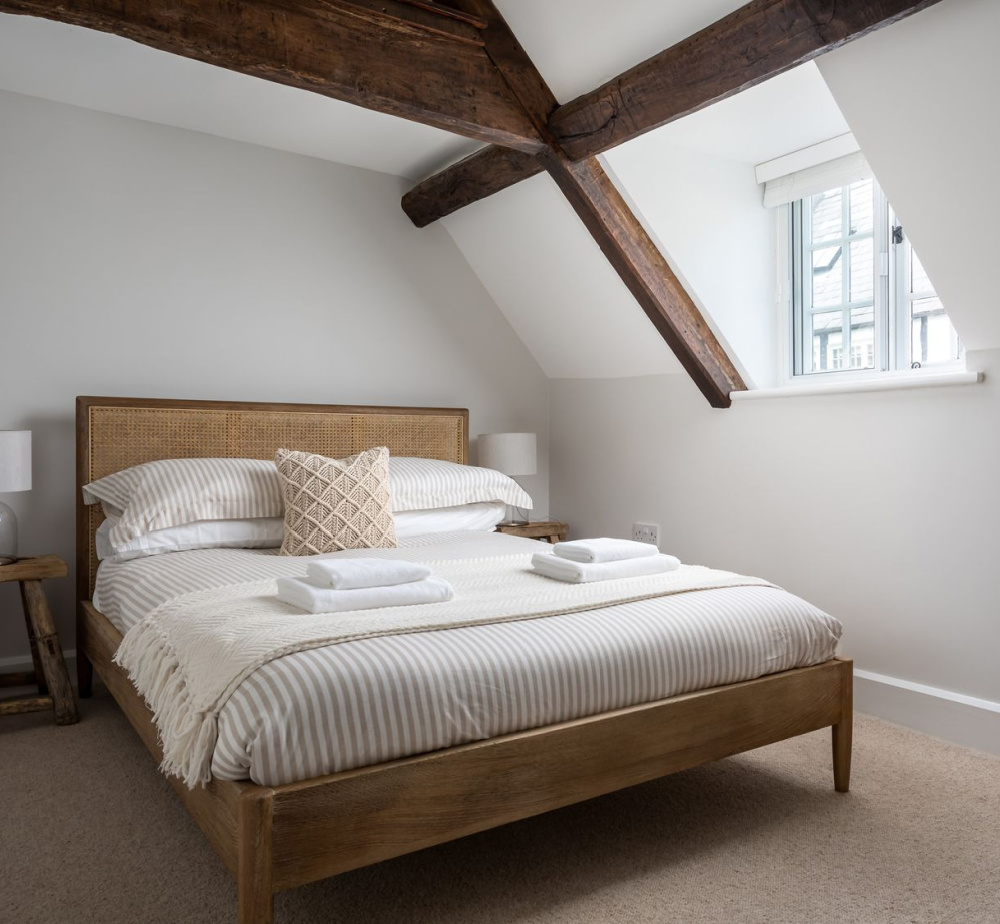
column 861, row 298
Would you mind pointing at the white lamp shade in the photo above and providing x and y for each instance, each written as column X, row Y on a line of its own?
column 510, row 453
column 15, row 460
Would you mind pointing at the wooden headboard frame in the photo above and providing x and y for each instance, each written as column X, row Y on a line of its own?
column 115, row 433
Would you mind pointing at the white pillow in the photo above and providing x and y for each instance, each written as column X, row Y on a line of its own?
column 424, row 484
column 260, row 533
column 173, row 492
column 480, row 517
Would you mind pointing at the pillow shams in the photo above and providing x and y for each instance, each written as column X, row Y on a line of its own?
column 172, row 492
column 262, row 533
column 423, row 484
column 477, row 517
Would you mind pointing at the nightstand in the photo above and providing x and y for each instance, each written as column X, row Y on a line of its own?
column 551, row 531
column 54, row 690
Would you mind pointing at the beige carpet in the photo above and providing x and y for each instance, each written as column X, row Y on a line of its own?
column 89, row 832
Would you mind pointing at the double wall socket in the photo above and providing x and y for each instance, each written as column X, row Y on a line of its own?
column 646, row 532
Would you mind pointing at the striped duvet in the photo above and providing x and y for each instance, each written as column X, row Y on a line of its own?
column 367, row 701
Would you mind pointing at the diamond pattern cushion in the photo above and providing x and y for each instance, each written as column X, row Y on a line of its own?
column 335, row 504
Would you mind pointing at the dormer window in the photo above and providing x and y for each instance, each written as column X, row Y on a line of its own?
column 861, row 299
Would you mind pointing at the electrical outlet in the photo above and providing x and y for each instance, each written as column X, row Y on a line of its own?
column 646, row 532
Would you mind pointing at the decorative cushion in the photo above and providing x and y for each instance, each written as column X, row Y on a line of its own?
column 335, row 504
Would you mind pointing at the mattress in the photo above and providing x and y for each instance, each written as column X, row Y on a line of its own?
column 364, row 702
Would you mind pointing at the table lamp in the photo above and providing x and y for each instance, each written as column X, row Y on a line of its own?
column 15, row 475
column 513, row 454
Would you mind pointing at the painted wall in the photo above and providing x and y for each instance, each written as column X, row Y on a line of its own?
column 920, row 98
column 705, row 213
column 137, row 259
column 572, row 310
column 881, row 508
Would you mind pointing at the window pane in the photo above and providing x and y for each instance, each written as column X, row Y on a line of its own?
column 828, row 274
column 863, row 338
column 827, row 215
column 932, row 337
column 827, row 340
column 862, row 270
column 863, row 207
column 919, row 282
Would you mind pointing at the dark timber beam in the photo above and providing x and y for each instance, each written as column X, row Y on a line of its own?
column 751, row 45
column 614, row 227
column 420, row 61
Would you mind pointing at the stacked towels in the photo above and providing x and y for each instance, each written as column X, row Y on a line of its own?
column 340, row 585
column 586, row 560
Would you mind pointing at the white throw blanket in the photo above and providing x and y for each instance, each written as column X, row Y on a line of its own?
column 577, row 572
column 354, row 573
column 190, row 654
column 301, row 592
column 596, row 551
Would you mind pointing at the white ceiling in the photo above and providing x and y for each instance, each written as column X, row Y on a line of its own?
column 579, row 44
column 95, row 70
column 555, row 287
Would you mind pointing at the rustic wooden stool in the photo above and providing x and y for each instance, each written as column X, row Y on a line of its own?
column 54, row 690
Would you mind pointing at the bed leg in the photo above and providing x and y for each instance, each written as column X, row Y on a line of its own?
column 843, row 731
column 84, row 674
column 84, row 667
column 256, row 894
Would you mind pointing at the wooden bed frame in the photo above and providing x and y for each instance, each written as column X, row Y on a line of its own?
column 276, row 837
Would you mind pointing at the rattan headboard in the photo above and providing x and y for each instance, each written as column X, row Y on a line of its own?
column 115, row 433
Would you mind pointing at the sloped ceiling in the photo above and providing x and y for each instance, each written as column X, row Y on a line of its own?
column 95, row 70
column 921, row 99
column 692, row 183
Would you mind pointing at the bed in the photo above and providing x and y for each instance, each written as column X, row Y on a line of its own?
column 372, row 802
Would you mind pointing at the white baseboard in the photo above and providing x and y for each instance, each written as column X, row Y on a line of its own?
column 955, row 717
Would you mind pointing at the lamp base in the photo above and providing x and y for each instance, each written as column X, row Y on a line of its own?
column 8, row 535
column 516, row 516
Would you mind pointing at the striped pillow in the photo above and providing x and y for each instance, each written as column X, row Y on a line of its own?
column 424, row 484
column 172, row 492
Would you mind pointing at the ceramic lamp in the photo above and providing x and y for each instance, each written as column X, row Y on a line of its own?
column 15, row 475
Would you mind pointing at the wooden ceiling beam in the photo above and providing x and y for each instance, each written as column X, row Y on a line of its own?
column 758, row 41
column 431, row 17
column 753, row 44
column 613, row 226
column 405, row 59
column 641, row 266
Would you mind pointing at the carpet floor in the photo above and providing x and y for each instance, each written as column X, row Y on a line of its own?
column 90, row 832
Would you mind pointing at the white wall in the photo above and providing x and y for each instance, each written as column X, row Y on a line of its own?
column 880, row 508
column 707, row 217
column 921, row 98
column 142, row 260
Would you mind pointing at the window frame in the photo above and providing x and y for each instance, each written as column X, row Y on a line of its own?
column 892, row 301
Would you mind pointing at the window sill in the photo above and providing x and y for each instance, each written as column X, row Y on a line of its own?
column 884, row 382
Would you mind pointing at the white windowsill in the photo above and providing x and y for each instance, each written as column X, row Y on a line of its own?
column 885, row 382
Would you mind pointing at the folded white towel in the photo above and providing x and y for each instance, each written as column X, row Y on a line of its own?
column 576, row 572
column 306, row 596
column 352, row 573
column 595, row 551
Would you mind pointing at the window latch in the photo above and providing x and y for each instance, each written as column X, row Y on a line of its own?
column 897, row 234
